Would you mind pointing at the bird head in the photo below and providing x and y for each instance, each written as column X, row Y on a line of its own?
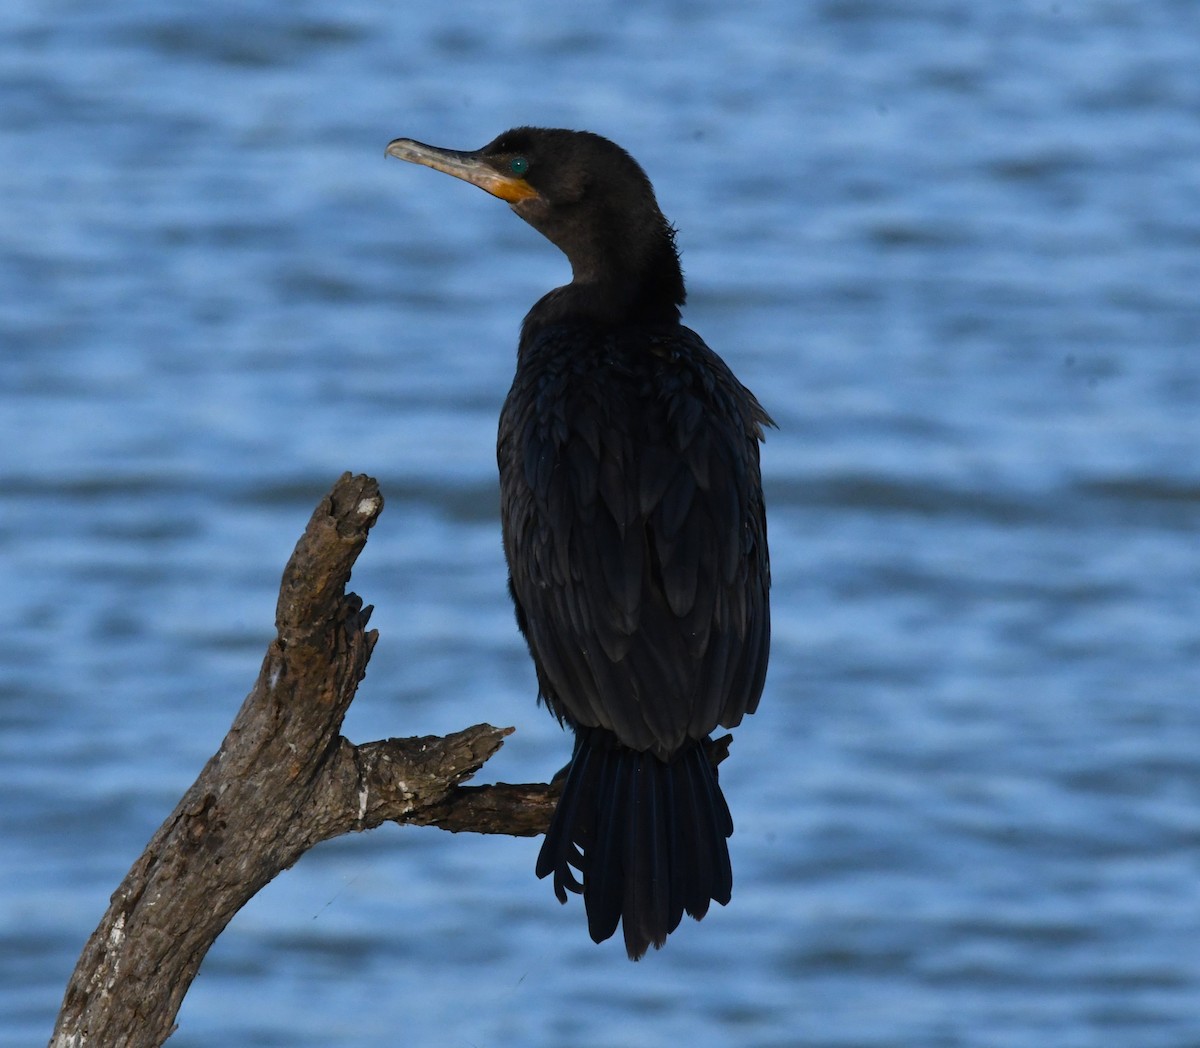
column 584, row 193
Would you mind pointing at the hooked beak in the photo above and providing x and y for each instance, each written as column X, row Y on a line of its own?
column 470, row 167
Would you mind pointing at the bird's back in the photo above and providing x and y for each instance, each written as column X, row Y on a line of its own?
column 635, row 531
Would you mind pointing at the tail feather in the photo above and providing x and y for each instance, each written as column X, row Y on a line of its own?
column 647, row 836
column 697, row 885
column 604, row 859
column 682, row 834
column 721, row 824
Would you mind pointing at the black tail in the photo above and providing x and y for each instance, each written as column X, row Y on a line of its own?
column 647, row 836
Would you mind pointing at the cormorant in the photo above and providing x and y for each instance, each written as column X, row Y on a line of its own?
column 634, row 531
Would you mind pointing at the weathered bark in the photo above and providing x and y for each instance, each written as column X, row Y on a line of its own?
column 282, row 781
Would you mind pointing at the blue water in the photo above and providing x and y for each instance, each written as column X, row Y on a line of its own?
column 955, row 249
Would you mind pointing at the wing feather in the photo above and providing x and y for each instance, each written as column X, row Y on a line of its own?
column 635, row 534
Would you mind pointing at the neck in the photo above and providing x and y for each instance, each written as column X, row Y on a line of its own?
column 602, row 303
column 638, row 288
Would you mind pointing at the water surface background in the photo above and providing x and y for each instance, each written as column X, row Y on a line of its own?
column 955, row 249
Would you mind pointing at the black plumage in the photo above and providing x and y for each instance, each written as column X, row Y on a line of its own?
column 634, row 530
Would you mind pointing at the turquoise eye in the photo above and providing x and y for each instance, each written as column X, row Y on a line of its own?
column 518, row 165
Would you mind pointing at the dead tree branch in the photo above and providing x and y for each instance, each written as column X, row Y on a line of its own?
column 282, row 781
